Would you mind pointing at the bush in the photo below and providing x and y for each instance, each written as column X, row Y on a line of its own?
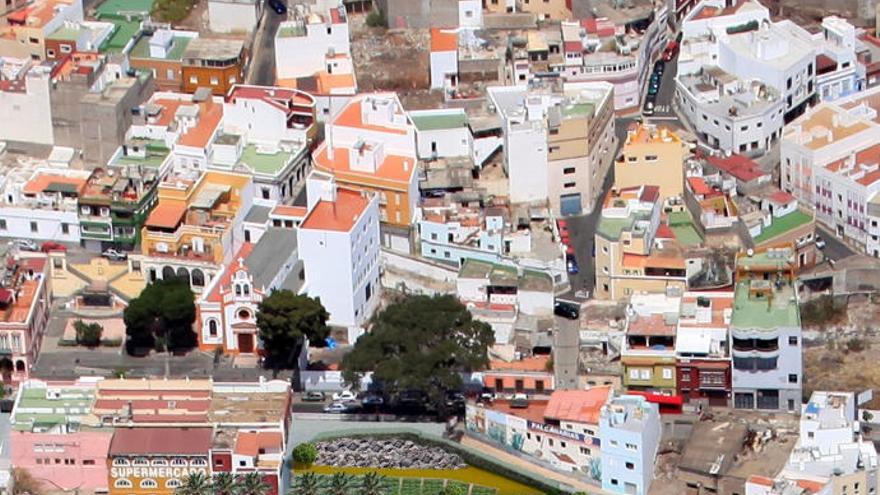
column 88, row 334
column 377, row 19
column 172, row 10
column 823, row 310
column 856, row 344
column 305, row 454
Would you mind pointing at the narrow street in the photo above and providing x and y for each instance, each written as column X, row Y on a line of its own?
column 262, row 66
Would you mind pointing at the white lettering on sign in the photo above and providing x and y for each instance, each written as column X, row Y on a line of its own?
column 155, row 472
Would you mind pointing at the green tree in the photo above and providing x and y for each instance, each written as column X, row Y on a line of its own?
column 339, row 484
column 305, row 454
column 373, row 483
column 88, row 334
column 224, row 484
column 285, row 320
column 421, row 343
column 307, row 483
column 161, row 317
column 252, row 484
column 194, row 484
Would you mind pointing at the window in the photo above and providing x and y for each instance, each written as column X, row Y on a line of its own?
column 178, row 461
column 265, row 192
column 792, row 378
column 2, row 224
column 34, row 227
column 650, row 158
column 172, row 483
column 88, row 462
column 793, row 340
column 645, row 374
column 140, row 461
column 633, row 447
column 214, row 81
column 193, row 80
column 123, row 483
column 667, row 373
column 65, row 228
column 199, row 462
column 121, row 462
column 212, row 328
column 568, row 170
column 159, row 462
column 66, row 49
column 630, row 466
column 569, row 185
column 50, row 53
column 149, row 483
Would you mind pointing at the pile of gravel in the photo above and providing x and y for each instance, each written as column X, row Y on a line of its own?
column 384, row 453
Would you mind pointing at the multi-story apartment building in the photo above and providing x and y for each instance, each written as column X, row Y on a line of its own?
column 319, row 40
column 40, row 202
column 52, row 441
column 24, row 313
column 557, row 143
column 648, row 350
column 741, row 76
column 765, row 332
column 655, row 153
column 25, row 101
column 628, row 258
column 161, row 53
column 702, row 347
column 629, row 432
column 73, row 38
column 24, row 31
column 339, row 244
column 216, row 64
column 614, row 46
column 829, row 162
column 449, row 134
column 370, row 146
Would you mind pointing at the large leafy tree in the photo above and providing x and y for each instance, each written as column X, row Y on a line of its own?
column 161, row 317
column 252, row 484
column 285, row 320
column 421, row 343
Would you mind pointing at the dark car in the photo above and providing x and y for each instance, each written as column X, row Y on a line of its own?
column 455, row 399
column 572, row 265
column 566, row 310
column 314, row 396
column 373, row 400
column 279, row 6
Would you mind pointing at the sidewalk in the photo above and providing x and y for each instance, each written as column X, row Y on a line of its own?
column 513, row 460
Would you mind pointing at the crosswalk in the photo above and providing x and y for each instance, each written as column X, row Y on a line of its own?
column 662, row 109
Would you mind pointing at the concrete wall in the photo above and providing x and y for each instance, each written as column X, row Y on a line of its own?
column 231, row 16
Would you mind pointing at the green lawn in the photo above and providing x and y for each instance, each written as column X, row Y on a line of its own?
column 416, row 486
column 683, row 227
column 111, row 7
column 783, row 224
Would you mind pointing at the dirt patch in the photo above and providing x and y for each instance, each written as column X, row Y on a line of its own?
column 389, row 59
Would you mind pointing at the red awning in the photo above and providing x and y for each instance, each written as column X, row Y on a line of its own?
column 5, row 296
column 672, row 400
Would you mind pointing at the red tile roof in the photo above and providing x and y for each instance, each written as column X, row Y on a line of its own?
column 738, row 166
column 161, row 441
column 579, row 406
column 339, row 215
column 42, row 181
column 166, row 216
column 243, row 252
column 781, row 198
column 351, row 117
column 251, row 443
column 209, row 118
column 289, row 211
column 393, row 167
column 699, row 186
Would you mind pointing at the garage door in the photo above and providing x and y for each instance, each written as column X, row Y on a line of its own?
column 570, row 204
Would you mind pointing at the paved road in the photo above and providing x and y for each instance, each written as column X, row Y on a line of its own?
column 262, row 68
column 835, row 249
column 663, row 107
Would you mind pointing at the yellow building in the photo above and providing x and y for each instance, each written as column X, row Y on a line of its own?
column 627, row 260
column 24, row 32
column 655, row 154
column 195, row 219
column 547, row 10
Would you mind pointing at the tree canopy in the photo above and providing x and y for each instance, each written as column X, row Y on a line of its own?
column 420, row 343
column 162, row 314
column 285, row 319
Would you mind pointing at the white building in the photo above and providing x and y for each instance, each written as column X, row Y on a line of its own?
column 442, row 133
column 25, row 102
column 312, row 42
column 739, row 74
column 557, row 144
column 339, row 245
column 444, row 58
column 629, row 430
column 234, row 16
column 40, row 203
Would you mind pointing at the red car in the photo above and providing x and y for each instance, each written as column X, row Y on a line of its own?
column 671, row 51
column 52, row 246
column 569, row 249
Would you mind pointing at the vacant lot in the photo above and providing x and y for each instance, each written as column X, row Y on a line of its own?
column 389, row 59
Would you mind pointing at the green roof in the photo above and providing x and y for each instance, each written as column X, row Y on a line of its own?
column 291, row 31
column 439, row 120
column 34, row 409
column 156, row 154
column 265, row 163
column 683, row 227
column 578, row 110
column 780, row 309
column 474, row 268
column 783, row 224
column 122, row 34
column 141, row 49
column 610, row 228
column 118, row 7
column 65, row 33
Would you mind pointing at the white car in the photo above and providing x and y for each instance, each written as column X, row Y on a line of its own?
column 25, row 245
column 344, row 396
column 820, row 243
column 114, row 255
column 336, row 407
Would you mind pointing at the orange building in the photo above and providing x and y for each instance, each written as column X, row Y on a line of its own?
column 371, row 146
column 155, row 461
column 213, row 63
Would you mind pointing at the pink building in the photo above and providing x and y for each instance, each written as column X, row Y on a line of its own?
column 51, row 441
column 24, row 313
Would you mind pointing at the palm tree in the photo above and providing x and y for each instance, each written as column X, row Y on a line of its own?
column 339, row 484
column 252, row 484
column 224, row 484
column 194, row 484
column 373, row 483
column 307, row 484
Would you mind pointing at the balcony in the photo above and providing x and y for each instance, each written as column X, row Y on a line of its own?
column 185, row 252
column 760, row 345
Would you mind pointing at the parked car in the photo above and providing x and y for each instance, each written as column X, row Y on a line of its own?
column 49, row 246
column 649, row 107
column 519, row 401
column 314, row 396
column 820, row 243
column 25, row 244
column 571, row 265
column 566, row 310
column 455, row 399
column 344, row 396
column 114, row 255
column 373, row 400
column 562, row 225
column 337, row 407
column 279, row 6
column 569, row 250
column 671, row 51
